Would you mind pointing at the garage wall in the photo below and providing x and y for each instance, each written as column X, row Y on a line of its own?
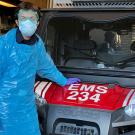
column 42, row 3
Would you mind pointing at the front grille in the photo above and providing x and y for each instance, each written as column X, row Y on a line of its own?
column 72, row 129
column 75, row 127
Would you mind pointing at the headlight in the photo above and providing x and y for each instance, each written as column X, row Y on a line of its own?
column 130, row 110
column 124, row 117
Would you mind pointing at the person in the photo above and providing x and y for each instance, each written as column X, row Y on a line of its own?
column 132, row 47
column 22, row 55
column 112, row 42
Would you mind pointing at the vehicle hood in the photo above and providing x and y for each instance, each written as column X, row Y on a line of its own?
column 89, row 95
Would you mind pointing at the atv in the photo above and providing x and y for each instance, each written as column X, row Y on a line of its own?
column 93, row 40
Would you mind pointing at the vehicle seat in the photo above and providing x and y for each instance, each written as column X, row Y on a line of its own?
column 81, row 53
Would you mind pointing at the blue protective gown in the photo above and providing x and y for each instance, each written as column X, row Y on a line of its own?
column 19, row 64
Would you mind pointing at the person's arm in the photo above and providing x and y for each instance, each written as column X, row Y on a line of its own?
column 46, row 67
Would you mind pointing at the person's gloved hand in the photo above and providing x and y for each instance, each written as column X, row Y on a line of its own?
column 73, row 80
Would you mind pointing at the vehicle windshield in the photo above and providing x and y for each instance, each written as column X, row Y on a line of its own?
column 77, row 43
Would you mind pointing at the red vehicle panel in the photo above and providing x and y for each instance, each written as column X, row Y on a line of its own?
column 105, row 97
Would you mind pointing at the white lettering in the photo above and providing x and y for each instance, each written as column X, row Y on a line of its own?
column 101, row 89
column 95, row 98
column 85, row 96
column 87, row 88
column 73, row 95
column 73, row 87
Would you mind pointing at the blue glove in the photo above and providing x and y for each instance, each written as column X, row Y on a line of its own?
column 73, row 80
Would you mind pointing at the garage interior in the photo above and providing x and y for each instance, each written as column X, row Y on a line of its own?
column 7, row 10
column 78, row 42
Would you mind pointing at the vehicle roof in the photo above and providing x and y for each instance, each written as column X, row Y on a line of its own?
column 88, row 5
column 86, row 9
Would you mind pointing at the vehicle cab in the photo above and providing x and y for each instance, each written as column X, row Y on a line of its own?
column 93, row 40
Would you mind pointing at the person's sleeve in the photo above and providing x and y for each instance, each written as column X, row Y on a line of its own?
column 46, row 67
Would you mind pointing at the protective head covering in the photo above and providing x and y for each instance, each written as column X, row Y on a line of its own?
column 19, row 64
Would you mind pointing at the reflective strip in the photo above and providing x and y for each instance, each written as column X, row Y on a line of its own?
column 45, row 90
column 132, row 100
column 40, row 87
column 36, row 84
column 128, row 97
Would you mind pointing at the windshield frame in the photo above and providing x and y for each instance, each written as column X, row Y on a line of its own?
column 48, row 16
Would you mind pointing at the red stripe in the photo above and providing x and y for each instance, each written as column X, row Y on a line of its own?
column 130, row 98
column 43, row 89
column 36, row 86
